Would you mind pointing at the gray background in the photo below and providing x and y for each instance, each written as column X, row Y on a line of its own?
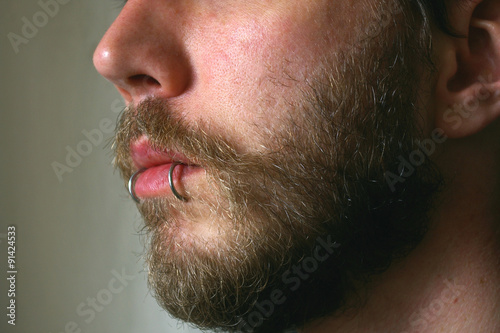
column 77, row 231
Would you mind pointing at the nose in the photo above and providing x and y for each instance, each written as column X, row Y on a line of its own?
column 142, row 52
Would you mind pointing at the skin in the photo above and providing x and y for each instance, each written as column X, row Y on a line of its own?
column 227, row 63
column 224, row 60
column 221, row 64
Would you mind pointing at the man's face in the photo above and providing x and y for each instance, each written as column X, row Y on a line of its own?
column 286, row 116
column 223, row 63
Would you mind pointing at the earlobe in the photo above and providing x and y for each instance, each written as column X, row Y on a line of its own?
column 468, row 86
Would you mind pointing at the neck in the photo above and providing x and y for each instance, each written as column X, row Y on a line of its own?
column 451, row 281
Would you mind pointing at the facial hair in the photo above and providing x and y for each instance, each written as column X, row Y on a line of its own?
column 303, row 224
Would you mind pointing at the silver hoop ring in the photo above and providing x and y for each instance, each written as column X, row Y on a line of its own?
column 171, row 182
column 131, row 184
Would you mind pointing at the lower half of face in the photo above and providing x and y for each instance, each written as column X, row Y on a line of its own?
column 274, row 239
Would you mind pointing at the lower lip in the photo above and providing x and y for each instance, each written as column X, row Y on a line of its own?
column 153, row 182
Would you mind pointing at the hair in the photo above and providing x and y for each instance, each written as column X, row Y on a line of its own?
column 373, row 224
column 436, row 11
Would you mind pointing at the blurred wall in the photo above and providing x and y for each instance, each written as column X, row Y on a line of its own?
column 78, row 255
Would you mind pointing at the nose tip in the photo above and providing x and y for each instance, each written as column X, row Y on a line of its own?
column 103, row 62
column 143, row 61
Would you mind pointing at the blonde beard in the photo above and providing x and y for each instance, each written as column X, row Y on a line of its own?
column 270, row 209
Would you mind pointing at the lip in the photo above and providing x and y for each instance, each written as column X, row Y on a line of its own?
column 145, row 157
column 153, row 181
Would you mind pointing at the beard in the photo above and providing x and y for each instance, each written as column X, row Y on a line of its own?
column 298, row 228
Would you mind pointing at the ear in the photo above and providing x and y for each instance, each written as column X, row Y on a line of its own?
column 468, row 86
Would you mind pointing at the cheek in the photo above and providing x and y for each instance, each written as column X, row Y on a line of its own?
column 240, row 77
column 249, row 70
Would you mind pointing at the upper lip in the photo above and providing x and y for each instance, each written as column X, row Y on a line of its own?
column 144, row 156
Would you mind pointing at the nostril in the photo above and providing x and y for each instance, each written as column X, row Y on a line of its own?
column 143, row 80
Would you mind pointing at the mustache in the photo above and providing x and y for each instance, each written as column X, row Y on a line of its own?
column 165, row 129
column 236, row 177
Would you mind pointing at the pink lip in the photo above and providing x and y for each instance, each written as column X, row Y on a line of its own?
column 153, row 181
column 144, row 156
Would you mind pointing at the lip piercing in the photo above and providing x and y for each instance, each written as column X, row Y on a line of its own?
column 171, row 182
column 131, row 183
